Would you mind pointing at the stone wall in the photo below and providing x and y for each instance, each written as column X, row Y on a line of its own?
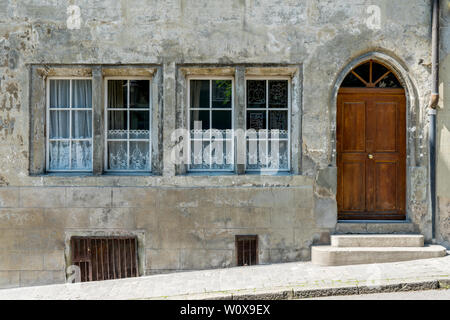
column 188, row 222
column 443, row 132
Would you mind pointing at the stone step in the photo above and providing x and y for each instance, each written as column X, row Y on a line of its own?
column 376, row 227
column 336, row 256
column 377, row 240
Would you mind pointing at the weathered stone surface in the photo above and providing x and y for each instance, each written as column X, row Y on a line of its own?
column 9, row 197
column 197, row 217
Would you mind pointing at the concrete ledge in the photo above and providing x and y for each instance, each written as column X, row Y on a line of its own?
column 377, row 240
column 335, row 256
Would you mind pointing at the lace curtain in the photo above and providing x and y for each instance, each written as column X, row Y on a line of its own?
column 70, row 127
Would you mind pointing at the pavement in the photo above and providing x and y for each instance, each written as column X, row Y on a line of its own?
column 279, row 281
column 410, row 295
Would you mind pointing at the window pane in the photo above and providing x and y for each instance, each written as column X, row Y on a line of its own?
column 351, row 81
column 117, row 155
column 81, row 124
column 256, row 120
column 199, row 93
column 278, row 155
column 81, row 94
column 378, row 70
column 278, row 120
column 81, row 155
column 222, row 155
column 256, row 94
column 221, row 120
column 199, row 121
column 139, row 155
column 59, row 124
column 278, row 94
column 221, row 94
column 117, row 93
column 256, row 154
column 364, row 71
column 117, row 124
column 200, row 154
column 390, row 81
column 59, row 155
column 139, row 124
column 59, row 93
column 139, row 93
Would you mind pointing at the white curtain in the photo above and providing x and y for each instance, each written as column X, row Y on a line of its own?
column 81, row 151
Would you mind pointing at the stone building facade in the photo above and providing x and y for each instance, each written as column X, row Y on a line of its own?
column 185, row 220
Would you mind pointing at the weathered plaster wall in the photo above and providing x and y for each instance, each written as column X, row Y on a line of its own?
column 443, row 131
column 189, row 222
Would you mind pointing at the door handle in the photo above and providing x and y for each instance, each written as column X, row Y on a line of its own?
column 370, row 156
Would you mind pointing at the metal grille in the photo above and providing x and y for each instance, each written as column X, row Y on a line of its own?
column 247, row 248
column 104, row 258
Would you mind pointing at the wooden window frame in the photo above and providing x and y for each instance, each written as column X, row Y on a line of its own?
column 267, row 109
column 128, row 140
column 210, row 79
column 70, row 139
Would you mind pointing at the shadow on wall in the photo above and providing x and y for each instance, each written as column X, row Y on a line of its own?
column 443, row 155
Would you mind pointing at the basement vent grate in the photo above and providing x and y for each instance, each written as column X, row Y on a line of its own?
column 246, row 249
column 104, row 258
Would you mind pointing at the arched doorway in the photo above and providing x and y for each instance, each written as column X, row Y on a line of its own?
column 371, row 144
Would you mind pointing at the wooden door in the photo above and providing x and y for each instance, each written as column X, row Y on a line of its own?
column 371, row 146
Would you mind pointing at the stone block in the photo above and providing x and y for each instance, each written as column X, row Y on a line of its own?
column 162, row 259
column 9, row 279
column 112, row 218
column 91, row 197
column 68, row 217
column 21, row 218
column 34, row 278
column 54, row 261
column 326, row 212
column 146, row 218
column 9, row 197
column 42, row 197
column 21, row 260
column 205, row 259
column 135, row 197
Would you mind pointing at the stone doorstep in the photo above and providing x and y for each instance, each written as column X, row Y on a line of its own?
column 336, row 256
column 378, row 240
column 375, row 227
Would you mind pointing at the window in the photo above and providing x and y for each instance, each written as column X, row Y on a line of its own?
column 246, row 250
column 211, row 124
column 69, row 124
column 128, row 125
column 104, row 258
column 371, row 75
column 268, row 124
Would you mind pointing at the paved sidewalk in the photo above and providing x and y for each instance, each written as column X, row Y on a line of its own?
column 410, row 295
column 281, row 281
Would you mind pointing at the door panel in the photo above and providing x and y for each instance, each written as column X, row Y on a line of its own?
column 353, row 183
column 371, row 146
column 385, row 126
column 354, row 130
column 385, row 179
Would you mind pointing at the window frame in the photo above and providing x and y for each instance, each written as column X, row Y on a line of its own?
column 211, row 78
column 70, row 139
column 267, row 109
column 106, row 109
